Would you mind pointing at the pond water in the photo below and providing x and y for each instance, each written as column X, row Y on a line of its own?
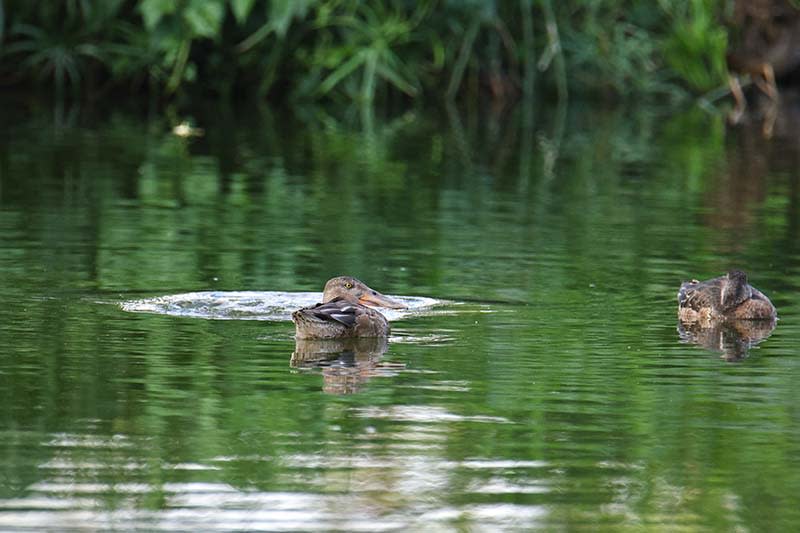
column 545, row 386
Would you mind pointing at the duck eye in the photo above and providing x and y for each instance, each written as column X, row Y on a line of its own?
column 348, row 285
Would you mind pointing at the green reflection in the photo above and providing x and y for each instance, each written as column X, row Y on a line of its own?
column 554, row 394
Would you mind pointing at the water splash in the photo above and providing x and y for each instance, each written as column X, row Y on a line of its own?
column 256, row 305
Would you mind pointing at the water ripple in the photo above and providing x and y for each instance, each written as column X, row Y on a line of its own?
column 424, row 413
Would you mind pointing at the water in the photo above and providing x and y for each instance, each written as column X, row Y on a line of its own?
column 544, row 386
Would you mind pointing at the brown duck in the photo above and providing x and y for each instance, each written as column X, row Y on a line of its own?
column 725, row 297
column 344, row 312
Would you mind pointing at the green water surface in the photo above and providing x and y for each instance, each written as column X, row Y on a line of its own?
column 553, row 392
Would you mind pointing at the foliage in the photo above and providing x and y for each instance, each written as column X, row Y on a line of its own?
column 58, row 41
column 360, row 50
column 364, row 40
column 696, row 47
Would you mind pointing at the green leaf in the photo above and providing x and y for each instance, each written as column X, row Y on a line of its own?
column 154, row 10
column 204, row 17
column 241, row 9
column 396, row 79
column 283, row 11
column 340, row 73
column 368, row 84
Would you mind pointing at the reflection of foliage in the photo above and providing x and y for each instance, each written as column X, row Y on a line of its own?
column 362, row 50
column 381, row 183
column 578, row 376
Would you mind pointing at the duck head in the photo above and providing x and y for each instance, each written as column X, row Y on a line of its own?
column 356, row 291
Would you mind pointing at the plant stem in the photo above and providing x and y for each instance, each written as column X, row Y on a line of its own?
column 528, row 51
column 179, row 67
column 555, row 45
column 463, row 58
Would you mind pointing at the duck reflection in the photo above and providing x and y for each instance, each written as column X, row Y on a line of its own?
column 346, row 364
column 733, row 338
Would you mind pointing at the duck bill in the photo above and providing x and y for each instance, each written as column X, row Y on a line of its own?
column 376, row 299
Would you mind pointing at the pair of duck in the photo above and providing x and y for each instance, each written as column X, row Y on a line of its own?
column 347, row 305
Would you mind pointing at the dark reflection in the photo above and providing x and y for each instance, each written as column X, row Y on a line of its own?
column 754, row 172
column 346, row 364
column 732, row 338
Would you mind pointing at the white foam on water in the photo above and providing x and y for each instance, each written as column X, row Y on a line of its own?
column 256, row 305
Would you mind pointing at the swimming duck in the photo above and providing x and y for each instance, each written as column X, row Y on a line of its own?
column 728, row 296
column 344, row 312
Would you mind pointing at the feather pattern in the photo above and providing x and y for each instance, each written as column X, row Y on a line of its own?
column 338, row 310
column 344, row 312
column 728, row 296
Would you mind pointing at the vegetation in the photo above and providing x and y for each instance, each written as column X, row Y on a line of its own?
column 363, row 50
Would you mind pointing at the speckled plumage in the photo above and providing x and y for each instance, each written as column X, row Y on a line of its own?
column 725, row 297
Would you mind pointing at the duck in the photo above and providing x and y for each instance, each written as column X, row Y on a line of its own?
column 726, row 297
column 346, row 311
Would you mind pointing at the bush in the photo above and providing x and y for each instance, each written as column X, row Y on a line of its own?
column 360, row 51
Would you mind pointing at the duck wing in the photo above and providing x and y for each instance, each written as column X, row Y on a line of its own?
column 337, row 310
column 698, row 295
